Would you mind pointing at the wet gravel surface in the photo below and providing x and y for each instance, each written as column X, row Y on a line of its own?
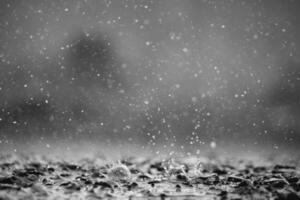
column 22, row 177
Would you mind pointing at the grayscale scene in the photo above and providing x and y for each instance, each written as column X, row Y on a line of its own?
column 150, row 99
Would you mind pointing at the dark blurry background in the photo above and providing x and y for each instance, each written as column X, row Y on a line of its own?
column 192, row 74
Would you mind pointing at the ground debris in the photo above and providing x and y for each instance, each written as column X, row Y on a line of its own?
column 137, row 179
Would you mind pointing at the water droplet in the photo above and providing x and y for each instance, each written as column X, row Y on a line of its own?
column 213, row 145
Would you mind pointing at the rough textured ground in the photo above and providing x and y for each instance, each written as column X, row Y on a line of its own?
column 24, row 177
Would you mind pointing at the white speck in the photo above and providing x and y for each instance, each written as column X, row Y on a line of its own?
column 25, row 85
column 146, row 102
column 255, row 36
column 66, row 9
column 127, row 127
column 148, row 43
column 185, row 50
column 213, row 145
column 283, row 30
column 223, row 26
column 172, row 36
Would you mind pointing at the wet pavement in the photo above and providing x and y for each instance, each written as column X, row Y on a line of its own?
column 22, row 177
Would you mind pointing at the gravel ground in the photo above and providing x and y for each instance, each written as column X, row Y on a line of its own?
column 25, row 177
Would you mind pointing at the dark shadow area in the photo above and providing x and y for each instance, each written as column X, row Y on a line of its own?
column 91, row 62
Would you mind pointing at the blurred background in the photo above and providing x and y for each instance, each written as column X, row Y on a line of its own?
column 169, row 74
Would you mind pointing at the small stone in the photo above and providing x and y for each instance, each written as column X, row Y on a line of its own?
column 70, row 186
column 182, row 177
column 143, row 177
column 132, row 186
column 178, row 188
column 103, row 185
